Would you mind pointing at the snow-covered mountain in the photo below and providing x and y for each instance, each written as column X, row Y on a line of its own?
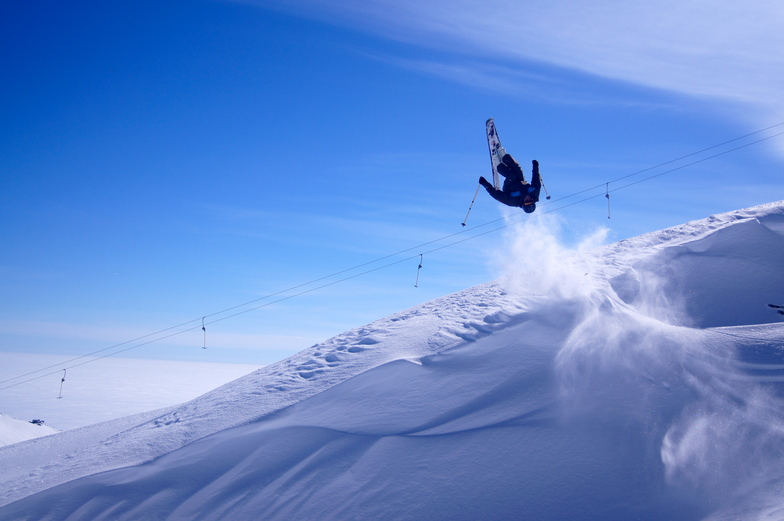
column 639, row 380
column 14, row 431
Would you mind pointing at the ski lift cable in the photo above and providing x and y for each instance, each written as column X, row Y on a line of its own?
column 244, row 304
column 694, row 162
column 681, row 158
column 102, row 350
column 390, row 256
column 157, row 334
column 197, row 327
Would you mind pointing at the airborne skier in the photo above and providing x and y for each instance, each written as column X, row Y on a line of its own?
column 516, row 190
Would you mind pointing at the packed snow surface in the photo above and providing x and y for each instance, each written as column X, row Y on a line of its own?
column 639, row 380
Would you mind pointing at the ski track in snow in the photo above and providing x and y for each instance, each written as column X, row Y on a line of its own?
column 656, row 316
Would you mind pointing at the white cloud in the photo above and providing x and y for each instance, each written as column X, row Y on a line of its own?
column 730, row 51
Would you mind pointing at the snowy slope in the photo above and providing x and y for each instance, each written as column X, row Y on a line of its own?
column 14, row 431
column 641, row 380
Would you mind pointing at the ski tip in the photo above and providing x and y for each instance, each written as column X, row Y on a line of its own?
column 488, row 120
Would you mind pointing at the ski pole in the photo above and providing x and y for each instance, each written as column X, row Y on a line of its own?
column 543, row 186
column 472, row 205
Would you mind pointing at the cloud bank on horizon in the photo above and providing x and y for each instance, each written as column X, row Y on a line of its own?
column 725, row 51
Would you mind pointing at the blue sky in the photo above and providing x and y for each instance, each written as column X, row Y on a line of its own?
column 165, row 161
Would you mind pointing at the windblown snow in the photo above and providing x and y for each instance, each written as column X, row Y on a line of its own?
column 638, row 380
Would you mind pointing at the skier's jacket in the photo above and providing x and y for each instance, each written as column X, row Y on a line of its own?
column 516, row 187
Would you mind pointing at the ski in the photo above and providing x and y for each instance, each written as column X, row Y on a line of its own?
column 496, row 150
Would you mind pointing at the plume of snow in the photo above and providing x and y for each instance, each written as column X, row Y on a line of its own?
column 533, row 260
column 633, row 357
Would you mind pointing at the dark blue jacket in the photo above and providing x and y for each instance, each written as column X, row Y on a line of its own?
column 515, row 186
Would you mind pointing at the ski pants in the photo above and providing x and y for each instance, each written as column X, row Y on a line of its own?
column 512, row 172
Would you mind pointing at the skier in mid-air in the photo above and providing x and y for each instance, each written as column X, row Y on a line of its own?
column 516, row 190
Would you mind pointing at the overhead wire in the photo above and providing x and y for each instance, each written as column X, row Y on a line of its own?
column 510, row 222
column 681, row 158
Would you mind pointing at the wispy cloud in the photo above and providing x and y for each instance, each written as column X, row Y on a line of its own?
column 484, row 76
column 512, row 81
column 729, row 51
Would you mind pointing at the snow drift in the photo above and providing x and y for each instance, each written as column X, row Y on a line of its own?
column 640, row 380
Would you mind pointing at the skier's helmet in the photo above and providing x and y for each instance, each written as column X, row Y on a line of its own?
column 529, row 208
